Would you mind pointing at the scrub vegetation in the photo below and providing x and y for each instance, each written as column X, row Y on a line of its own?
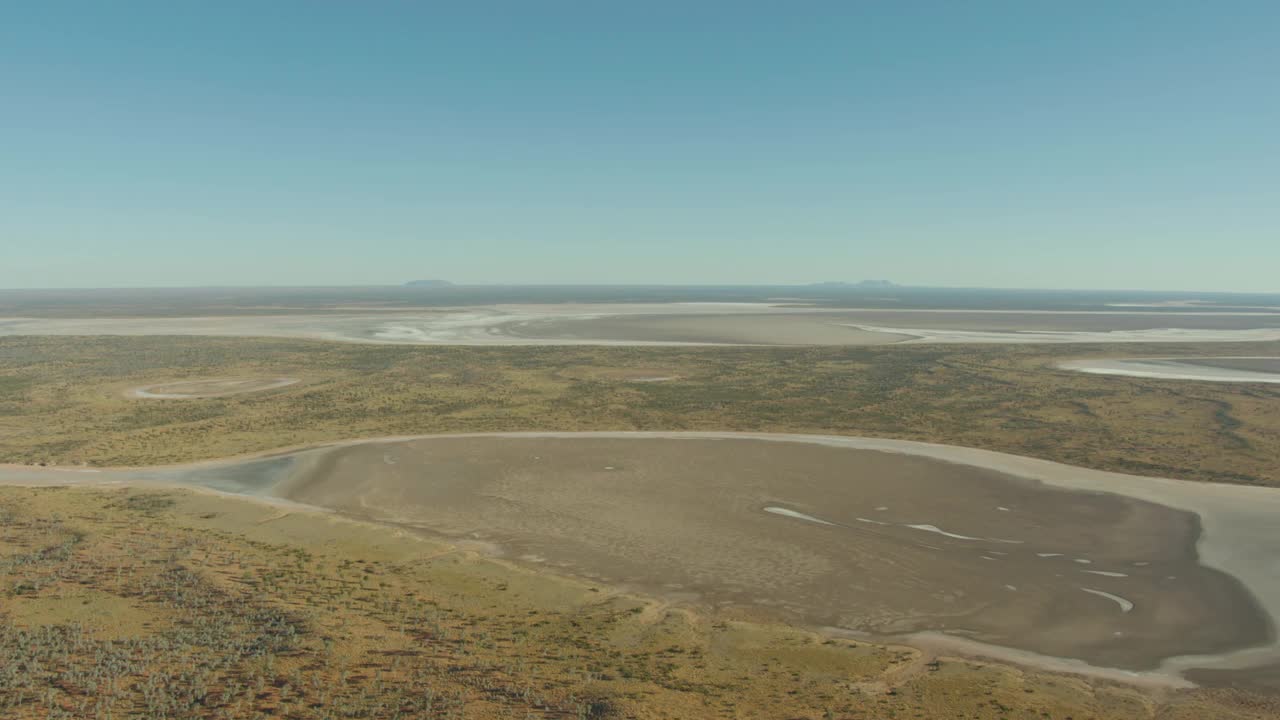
column 63, row 400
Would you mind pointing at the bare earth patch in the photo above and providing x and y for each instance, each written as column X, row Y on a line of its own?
column 102, row 615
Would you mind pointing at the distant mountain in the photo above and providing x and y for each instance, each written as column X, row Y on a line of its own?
column 429, row 283
column 860, row 284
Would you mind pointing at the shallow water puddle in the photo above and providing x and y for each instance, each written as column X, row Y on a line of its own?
column 1125, row 605
column 797, row 515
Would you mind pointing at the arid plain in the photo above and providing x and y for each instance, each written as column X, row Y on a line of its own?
column 866, row 577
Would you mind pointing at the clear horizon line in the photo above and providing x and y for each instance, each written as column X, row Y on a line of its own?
column 466, row 285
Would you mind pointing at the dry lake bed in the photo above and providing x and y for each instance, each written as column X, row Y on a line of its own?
column 998, row 554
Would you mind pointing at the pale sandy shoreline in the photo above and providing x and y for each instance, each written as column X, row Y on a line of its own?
column 1237, row 524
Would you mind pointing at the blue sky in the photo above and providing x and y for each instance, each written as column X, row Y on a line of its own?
column 1026, row 144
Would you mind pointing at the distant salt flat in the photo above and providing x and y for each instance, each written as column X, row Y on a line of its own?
column 703, row 323
column 1192, row 304
column 560, row 324
column 1015, row 336
column 1240, row 369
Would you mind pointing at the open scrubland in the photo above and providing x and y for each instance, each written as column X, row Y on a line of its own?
column 63, row 400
